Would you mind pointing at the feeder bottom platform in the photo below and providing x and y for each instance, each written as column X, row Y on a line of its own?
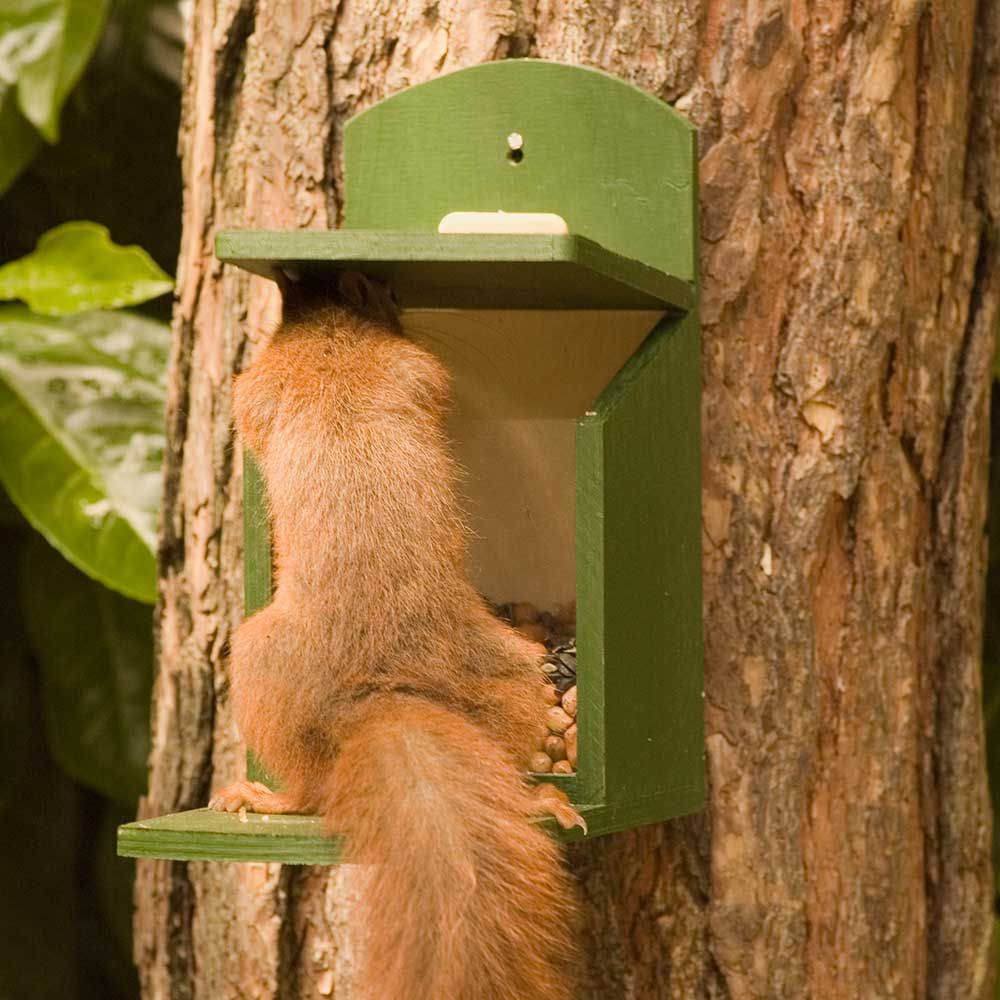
column 207, row 835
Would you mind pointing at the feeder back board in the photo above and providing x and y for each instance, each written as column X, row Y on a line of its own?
column 577, row 384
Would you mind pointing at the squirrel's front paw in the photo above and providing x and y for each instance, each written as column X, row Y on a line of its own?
column 250, row 795
column 552, row 801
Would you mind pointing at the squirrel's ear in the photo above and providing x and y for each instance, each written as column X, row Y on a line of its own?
column 286, row 278
column 353, row 289
column 368, row 297
column 304, row 295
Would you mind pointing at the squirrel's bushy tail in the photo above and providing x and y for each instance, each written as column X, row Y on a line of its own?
column 464, row 899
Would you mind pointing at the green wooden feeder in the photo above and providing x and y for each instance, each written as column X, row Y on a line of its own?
column 576, row 364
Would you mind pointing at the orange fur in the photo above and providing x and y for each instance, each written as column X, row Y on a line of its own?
column 377, row 685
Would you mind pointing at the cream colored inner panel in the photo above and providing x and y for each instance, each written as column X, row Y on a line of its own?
column 522, row 380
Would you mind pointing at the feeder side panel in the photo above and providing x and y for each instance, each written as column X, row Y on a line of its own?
column 650, row 525
column 258, row 583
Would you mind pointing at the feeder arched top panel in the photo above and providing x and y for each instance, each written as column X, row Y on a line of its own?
column 525, row 135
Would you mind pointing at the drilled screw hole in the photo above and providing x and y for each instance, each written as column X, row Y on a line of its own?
column 515, row 143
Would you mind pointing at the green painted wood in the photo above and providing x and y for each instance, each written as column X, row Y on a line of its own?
column 466, row 270
column 613, row 161
column 258, row 577
column 258, row 569
column 206, row 835
column 639, row 634
column 620, row 167
column 591, row 663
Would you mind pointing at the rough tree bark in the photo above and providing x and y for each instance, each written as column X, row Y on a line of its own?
column 850, row 190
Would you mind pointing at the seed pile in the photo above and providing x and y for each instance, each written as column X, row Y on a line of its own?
column 555, row 751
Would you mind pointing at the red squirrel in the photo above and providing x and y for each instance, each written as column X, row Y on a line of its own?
column 377, row 686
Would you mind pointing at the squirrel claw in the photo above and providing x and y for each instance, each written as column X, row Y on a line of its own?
column 567, row 817
column 554, row 802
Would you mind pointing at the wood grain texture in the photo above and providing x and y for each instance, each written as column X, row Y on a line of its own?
column 207, row 835
column 850, row 193
column 468, row 270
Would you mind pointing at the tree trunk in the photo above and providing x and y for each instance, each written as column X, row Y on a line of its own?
column 850, row 191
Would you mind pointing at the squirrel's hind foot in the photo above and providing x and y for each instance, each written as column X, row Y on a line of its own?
column 551, row 801
column 250, row 795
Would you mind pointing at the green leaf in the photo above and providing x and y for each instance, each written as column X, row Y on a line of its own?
column 20, row 141
column 44, row 47
column 81, row 437
column 95, row 649
column 116, row 160
column 75, row 267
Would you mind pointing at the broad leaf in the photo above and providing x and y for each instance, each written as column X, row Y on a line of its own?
column 116, row 159
column 95, row 649
column 20, row 140
column 81, row 437
column 44, row 47
column 75, row 267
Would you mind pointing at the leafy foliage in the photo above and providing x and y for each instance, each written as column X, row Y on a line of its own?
column 46, row 46
column 116, row 161
column 20, row 141
column 81, row 431
column 95, row 649
column 76, row 267
column 81, row 404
